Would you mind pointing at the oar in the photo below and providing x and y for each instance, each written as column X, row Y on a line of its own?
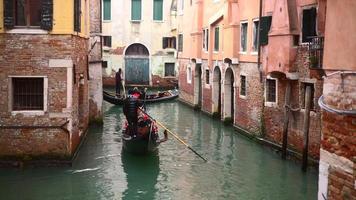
column 176, row 136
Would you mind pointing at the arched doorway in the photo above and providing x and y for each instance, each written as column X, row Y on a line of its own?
column 137, row 65
column 198, row 86
column 229, row 94
column 217, row 91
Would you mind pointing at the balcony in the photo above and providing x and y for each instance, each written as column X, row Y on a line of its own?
column 316, row 51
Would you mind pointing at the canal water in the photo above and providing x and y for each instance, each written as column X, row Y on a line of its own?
column 237, row 168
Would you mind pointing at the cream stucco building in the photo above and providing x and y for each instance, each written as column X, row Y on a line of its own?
column 138, row 36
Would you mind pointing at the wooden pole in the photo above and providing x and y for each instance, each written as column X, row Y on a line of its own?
column 286, row 121
column 306, row 127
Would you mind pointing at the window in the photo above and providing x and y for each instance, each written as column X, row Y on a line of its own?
column 135, row 10
column 207, row 77
column 169, row 69
column 169, row 42
column 243, row 36
column 255, row 36
column 309, row 24
column 304, row 87
column 107, row 41
column 189, row 75
column 216, row 39
column 264, row 29
column 180, row 42
column 28, row 13
column 104, row 64
column 27, row 94
column 271, row 90
column 206, row 39
column 242, row 85
column 158, row 10
column 77, row 15
column 107, row 9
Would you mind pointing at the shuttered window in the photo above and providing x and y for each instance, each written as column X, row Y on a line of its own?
column 28, row 13
column 309, row 24
column 77, row 15
column 264, row 29
column 158, row 10
column 169, row 42
column 107, row 9
column 135, row 10
column 206, row 39
column 207, row 76
column 180, row 42
column 216, row 39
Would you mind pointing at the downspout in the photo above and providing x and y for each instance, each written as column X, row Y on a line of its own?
column 258, row 39
column 101, row 30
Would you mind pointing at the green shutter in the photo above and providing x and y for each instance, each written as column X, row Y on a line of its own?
column 157, row 10
column 136, row 10
column 216, row 39
column 107, row 9
column 264, row 29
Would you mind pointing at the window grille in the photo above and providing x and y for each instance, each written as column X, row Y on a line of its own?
column 27, row 94
column 271, row 90
column 243, row 85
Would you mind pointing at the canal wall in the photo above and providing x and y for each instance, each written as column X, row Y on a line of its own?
column 55, row 130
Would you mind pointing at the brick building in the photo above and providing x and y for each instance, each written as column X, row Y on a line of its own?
column 44, row 106
column 337, row 169
column 95, row 63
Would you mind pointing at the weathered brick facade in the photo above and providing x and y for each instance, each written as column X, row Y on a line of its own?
column 55, row 58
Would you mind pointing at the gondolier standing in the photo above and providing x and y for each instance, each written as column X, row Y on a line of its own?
column 118, row 82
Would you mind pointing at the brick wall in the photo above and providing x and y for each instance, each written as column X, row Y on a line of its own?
column 29, row 55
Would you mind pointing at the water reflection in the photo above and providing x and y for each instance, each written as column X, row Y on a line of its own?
column 141, row 175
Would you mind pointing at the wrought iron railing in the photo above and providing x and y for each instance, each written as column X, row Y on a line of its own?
column 316, row 52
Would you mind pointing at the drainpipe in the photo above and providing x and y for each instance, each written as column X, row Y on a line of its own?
column 258, row 39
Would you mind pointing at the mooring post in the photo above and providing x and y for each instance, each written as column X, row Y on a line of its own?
column 306, row 127
column 286, row 120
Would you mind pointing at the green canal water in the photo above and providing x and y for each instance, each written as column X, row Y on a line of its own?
column 237, row 169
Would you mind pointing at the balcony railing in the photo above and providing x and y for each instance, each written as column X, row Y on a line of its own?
column 316, row 52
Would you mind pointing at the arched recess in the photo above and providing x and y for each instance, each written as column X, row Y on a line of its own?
column 137, row 64
column 198, row 85
column 217, row 91
column 229, row 94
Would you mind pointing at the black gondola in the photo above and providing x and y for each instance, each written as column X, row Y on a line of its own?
column 142, row 144
column 150, row 98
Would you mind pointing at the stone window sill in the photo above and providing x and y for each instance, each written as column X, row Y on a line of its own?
column 28, row 112
column 27, row 31
column 271, row 104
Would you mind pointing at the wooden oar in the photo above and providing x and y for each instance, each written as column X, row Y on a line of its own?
column 176, row 136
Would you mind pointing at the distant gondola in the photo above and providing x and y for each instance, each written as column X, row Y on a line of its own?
column 150, row 98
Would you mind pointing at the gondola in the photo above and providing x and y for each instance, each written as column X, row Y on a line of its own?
column 137, row 143
column 150, row 98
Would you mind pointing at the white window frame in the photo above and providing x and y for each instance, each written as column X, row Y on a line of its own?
column 241, row 23
column 254, row 51
column 243, row 96
column 102, row 13
column 268, row 103
column 189, row 74
column 28, row 112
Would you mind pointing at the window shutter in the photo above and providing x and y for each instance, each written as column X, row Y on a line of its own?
column 107, row 9
column 9, row 14
column 157, row 10
column 264, row 29
column 136, row 10
column 77, row 15
column 174, row 42
column 47, row 15
column 164, row 42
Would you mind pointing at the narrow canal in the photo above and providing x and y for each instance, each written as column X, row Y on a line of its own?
column 237, row 169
